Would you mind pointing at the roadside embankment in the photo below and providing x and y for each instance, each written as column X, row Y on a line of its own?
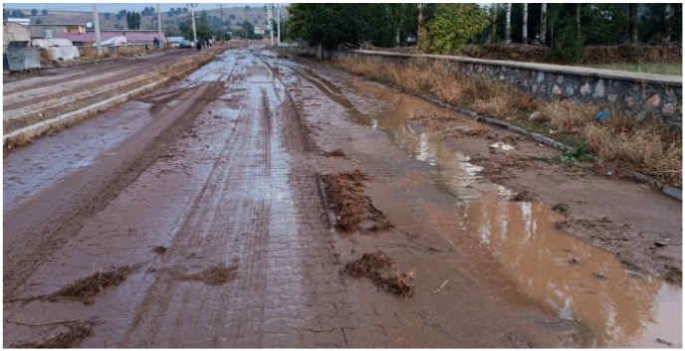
column 30, row 113
column 518, row 93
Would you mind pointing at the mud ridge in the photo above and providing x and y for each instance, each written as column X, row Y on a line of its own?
column 354, row 210
column 85, row 289
column 76, row 332
column 380, row 269
column 335, row 153
column 215, row 275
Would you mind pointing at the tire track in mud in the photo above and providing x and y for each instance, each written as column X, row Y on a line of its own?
column 239, row 217
column 42, row 225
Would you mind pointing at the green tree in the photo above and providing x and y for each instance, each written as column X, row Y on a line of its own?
column 332, row 24
column 107, row 15
column 455, row 25
column 248, row 28
column 45, row 12
column 133, row 20
column 34, row 12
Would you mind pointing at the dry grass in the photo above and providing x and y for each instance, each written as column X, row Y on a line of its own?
column 447, row 84
column 566, row 117
column 646, row 147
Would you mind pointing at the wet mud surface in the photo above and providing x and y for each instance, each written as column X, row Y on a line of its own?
column 197, row 216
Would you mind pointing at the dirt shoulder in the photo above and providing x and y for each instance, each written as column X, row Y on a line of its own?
column 510, row 199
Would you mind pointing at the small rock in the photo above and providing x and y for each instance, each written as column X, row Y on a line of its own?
column 630, row 101
column 654, row 100
column 523, row 196
column 599, row 90
column 669, row 109
column 599, row 276
column 573, row 262
column 537, row 116
column 556, row 90
column 560, row 207
column 585, row 89
column 610, row 173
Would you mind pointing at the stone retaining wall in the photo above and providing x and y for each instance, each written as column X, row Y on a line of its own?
column 641, row 95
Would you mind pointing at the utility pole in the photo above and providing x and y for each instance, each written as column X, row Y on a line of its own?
column 192, row 15
column 96, row 23
column 508, row 23
column 278, row 24
column 159, row 26
column 543, row 24
column 270, row 16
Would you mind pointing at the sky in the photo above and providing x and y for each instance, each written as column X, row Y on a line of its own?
column 114, row 7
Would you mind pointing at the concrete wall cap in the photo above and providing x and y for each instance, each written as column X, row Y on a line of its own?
column 664, row 79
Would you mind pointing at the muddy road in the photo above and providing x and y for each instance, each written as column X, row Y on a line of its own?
column 264, row 202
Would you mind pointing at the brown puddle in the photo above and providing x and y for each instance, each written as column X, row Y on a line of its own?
column 580, row 282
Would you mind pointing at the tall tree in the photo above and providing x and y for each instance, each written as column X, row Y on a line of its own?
column 493, row 20
column 421, row 31
column 578, row 32
column 455, row 25
column 525, row 24
column 543, row 24
column 133, row 20
column 668, row 20
column 508, row 28
column 632, row 10
column 34, row 12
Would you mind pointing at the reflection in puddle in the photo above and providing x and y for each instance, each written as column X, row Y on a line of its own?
column 578, row 281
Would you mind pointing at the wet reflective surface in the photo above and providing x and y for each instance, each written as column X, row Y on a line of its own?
column 585, row 286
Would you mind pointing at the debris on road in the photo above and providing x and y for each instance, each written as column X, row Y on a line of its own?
column 523, row 196
column 355, row 210
column 214, row 275
column 76, row 332
column 379, row 268
column 439, row 289
column 85, row 289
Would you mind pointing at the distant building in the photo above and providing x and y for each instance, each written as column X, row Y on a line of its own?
column 48, row 31
column 15, row 34
column 259, row 30
column 22, row 21
column 132, row 36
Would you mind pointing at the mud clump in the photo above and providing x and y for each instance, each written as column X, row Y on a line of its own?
column 72, row 337
column 560, row 208
column 335, row 153
column 355, row 211
column 215, row 275
column 673, row 275
column 379, row 268
column 85, row 289
column 523, row 196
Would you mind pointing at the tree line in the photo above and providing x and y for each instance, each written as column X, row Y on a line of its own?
column 445, row 28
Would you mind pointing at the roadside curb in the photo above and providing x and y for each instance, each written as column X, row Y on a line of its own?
column 668, row 190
